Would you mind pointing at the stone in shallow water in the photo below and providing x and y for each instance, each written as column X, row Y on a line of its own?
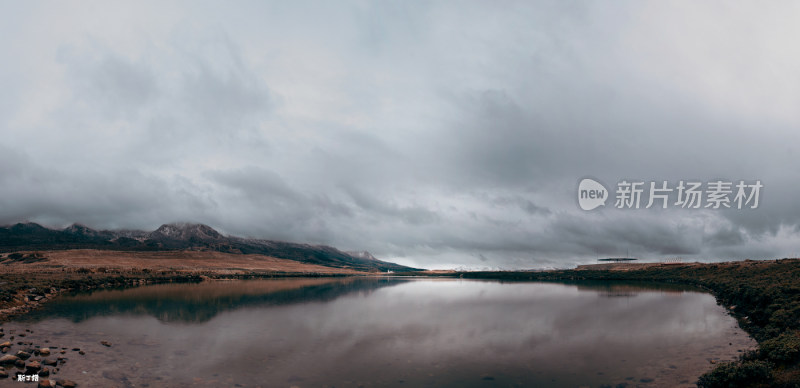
column 45, row 383
column 33, row 367
column 67, row 383
column 8, row 359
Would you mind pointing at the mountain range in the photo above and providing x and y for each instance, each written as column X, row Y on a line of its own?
column 182, row 236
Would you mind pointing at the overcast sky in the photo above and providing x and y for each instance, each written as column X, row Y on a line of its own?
column 435, row 134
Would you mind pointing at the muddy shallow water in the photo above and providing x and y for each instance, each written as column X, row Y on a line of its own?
column 386, row 332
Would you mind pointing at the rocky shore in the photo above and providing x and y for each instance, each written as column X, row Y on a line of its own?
column 28, row 361
column 39, row 362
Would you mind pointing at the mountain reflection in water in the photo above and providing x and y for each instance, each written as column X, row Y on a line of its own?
column 199, row 302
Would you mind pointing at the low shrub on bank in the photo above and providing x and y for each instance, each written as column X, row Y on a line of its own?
column 755, row 373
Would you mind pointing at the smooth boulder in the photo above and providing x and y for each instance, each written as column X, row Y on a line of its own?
column 8, row 359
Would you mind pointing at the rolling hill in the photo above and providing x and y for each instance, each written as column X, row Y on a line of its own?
column 182, row 237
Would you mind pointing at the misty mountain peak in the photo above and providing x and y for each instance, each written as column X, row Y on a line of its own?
column 27, row 226
column 80, row 230
column 185, row 231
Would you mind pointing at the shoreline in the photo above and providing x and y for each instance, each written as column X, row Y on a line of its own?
column 29, row 299
column 682, row 376
column 753, row 292
column 38, row 276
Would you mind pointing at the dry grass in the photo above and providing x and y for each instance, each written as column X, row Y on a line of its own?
column 101, row 261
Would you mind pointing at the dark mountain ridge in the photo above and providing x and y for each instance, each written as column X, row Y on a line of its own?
column 181, row 236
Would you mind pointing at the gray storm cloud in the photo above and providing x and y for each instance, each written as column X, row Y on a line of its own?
column 432, row 134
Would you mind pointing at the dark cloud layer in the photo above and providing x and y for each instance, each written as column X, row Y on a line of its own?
column 432, row 134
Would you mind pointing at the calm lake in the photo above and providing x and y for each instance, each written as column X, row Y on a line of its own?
column 376, row 332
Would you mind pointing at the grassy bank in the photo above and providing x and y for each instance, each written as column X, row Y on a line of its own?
column 764, row 296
